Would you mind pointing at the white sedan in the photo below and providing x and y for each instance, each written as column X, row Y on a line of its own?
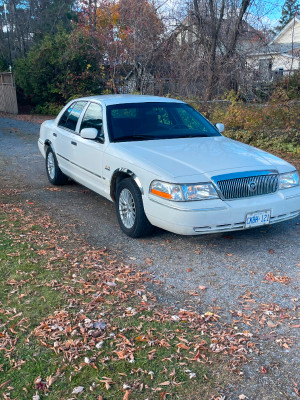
column 165, row 165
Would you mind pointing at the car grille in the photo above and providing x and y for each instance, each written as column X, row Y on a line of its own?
column 249, row 186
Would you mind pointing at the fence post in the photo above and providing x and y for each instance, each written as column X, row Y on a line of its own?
column 8, row 95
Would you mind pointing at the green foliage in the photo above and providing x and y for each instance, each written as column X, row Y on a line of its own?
column 289, row 10
column 56, row 69
column 3, row 65
column 254, row 118
column 48, row 109
column 271, row 127
column 287, row 88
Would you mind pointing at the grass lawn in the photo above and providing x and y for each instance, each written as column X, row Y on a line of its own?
column 76, row 322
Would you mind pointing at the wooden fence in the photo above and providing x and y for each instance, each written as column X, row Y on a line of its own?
column 8, row 96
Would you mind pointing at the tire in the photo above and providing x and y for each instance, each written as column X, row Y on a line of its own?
column 55, row 176
column 130, row 210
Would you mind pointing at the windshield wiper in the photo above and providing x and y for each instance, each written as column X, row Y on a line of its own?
column 190, row 135
column 134, row 137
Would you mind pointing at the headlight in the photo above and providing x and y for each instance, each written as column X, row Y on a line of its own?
column 288, row 180
column 185, row 192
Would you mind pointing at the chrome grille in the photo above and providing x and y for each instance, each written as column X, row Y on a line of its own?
column 247, row 186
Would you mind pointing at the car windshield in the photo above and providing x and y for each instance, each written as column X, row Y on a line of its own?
column 161, row 120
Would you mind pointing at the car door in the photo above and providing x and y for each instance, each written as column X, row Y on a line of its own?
column 65, row 134
column 87, row 155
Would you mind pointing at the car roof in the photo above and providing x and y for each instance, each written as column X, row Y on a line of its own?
column 110, row 99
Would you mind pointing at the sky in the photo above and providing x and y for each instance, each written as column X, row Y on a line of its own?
column 268, row 10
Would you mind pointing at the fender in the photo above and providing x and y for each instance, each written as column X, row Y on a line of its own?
column 123, row 171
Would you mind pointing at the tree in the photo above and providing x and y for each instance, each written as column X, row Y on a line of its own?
column 58, row 68
column 210, row 45
column 29, row 20
column 125, row 35
column 144, row 40
column 99, row 24
column 289, row 10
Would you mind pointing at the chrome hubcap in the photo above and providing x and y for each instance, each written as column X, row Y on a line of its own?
column 51, row 165
column 127, row 208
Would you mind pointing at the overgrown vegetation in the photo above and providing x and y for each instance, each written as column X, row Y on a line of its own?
column 75, row 320
column 273, row 126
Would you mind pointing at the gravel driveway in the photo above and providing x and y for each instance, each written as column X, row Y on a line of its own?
column 250, row 279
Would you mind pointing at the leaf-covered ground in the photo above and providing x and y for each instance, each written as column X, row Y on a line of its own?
column 76, row 322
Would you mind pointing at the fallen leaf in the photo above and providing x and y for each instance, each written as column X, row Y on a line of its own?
column 4, row 384
column 78, row 389
column 273, row 278
column 200, row 287
column 182, row 346
column 166, row 383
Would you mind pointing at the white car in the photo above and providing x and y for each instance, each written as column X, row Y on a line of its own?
column 165, row 165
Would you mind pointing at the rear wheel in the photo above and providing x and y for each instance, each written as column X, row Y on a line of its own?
column 130, row 210
column 55, row 176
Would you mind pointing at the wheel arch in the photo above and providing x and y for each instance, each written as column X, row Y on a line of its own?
column 47, row 144
column 120, row 174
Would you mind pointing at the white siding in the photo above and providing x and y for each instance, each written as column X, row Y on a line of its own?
column 291, row 35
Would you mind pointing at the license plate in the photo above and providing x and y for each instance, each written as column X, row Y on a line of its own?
column 257, row 219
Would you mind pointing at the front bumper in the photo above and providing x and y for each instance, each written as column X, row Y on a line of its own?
column 211, row 216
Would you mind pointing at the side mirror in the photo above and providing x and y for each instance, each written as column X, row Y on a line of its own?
column 89, row 133
column 220, row 127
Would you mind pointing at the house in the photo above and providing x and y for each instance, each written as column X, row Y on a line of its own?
column 279, row 57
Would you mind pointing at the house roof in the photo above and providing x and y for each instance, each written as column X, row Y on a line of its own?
column 285, row 29
column 275, row 48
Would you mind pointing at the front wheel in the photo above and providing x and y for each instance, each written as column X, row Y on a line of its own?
column 130, row 210
column 55, row 176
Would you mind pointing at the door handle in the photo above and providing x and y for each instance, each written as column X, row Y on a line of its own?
column 54, row 134
column 74, row 143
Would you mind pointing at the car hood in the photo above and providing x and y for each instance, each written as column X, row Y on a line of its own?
column 180, row 158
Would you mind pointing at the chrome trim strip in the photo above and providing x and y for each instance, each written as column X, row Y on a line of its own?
column 292, row 196
column 241, row 226
column 131, row 174
column 244, row 174
column 188, row 209
column 71, row 162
